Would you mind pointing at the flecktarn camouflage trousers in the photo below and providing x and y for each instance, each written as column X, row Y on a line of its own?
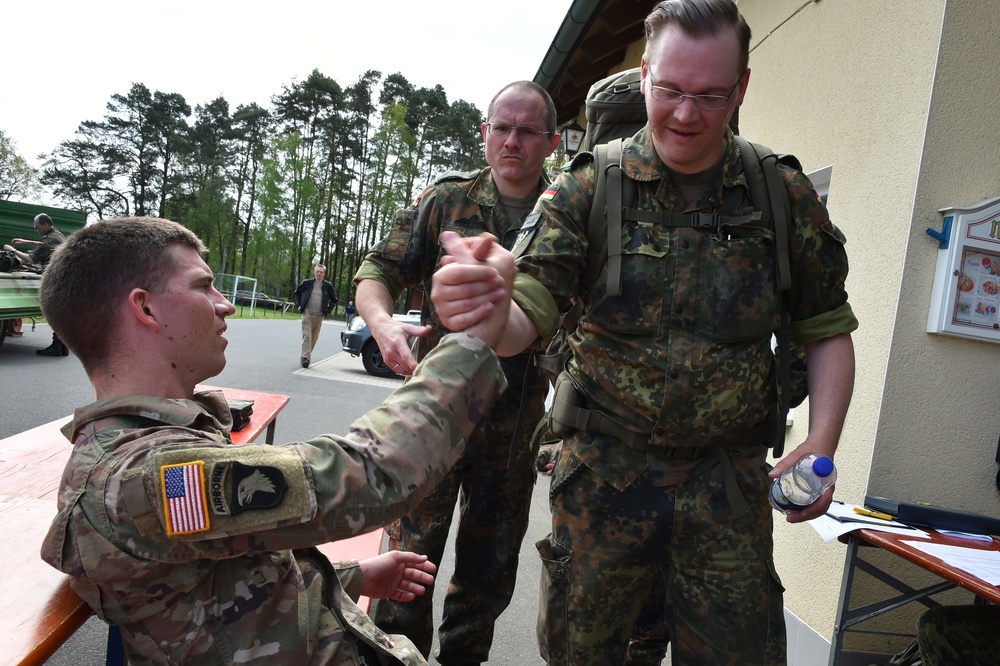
column 608, row 549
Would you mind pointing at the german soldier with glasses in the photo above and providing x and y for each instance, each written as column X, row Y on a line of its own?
column 667, row 480
column 495, row 477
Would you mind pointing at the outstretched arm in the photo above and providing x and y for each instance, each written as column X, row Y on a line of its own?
column 22, row 256
column 24, row 241
column 374, row 303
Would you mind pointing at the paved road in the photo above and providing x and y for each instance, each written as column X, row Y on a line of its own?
column 327, row 397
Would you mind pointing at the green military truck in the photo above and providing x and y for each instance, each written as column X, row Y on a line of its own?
column 19, row 290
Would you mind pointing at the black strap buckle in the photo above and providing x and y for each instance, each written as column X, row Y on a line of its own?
column 705, row 220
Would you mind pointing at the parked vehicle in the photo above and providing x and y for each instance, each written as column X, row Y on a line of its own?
column 247, row 297
column 358, row 340
column 18, row 300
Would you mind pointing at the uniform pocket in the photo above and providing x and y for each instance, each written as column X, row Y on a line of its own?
column 469, row 227
column 637, row 309
column 740, row 283
column 553, row 603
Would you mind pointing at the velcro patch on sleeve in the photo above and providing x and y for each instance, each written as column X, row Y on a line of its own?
column 236, row 487
column 550, row 192
column 184, row 502
column 244, row 488
column 526, row 233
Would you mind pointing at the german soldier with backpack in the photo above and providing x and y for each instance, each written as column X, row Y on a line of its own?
column 670, row 394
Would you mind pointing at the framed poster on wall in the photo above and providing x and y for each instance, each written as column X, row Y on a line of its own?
column 965, row 301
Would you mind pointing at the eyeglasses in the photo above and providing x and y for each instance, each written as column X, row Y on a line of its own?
column 704, row 102
column 503, row 130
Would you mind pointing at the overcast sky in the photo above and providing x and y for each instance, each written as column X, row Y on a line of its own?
column 63, row 59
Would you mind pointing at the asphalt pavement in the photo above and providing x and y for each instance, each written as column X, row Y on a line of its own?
column 263, row 355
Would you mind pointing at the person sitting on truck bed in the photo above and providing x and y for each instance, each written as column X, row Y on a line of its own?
column 39, row 256
column 43, row 249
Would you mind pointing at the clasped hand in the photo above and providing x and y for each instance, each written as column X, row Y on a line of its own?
column 471, row 290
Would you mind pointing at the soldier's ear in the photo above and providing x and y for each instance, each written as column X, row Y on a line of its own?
column 141, row 310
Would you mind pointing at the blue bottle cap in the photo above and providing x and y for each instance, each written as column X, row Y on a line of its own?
column 822, row 466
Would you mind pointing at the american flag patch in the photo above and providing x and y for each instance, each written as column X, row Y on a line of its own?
column 184, row 502
column 549, row 193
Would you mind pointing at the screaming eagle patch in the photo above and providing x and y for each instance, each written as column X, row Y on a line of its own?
column 236, row 487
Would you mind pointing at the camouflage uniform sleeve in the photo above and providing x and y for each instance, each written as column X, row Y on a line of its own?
column 352, row 578
column 199, row 500
column 536, row 301
column 406, row 255
column 819, row 267
column 556, row 255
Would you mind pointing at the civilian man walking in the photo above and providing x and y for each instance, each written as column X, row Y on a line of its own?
column 315, row 305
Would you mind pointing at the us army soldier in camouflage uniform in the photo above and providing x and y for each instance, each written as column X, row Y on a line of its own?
column 496, row 475
column 186, row 541
column 674, row 381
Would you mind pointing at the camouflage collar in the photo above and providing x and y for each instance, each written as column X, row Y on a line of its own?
column 484, row 191
column 640, row 161
column 208, row 411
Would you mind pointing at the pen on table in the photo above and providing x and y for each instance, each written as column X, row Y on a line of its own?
column 873, row 514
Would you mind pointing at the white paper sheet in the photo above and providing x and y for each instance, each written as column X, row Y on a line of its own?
column 980, row 563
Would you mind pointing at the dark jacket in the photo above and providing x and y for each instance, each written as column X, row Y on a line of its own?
column 304, row 290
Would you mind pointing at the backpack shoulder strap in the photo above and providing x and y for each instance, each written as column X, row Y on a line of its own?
column 769, row 195
column 615, row 207
column 604, row 226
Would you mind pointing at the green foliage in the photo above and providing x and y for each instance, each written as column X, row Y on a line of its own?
column 17, row 178
column 314, row 178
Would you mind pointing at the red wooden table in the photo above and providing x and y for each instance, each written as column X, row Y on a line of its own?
column 847, row 617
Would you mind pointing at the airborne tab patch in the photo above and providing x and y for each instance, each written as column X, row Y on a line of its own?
column 237, row 487
column 184, row 504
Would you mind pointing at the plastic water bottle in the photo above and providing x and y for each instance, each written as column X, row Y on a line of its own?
column 802, row 484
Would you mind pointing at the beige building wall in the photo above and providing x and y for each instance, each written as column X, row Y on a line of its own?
column 903, row 106
column 937, row 437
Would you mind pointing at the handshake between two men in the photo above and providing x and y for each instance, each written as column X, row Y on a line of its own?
column 471, row 292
